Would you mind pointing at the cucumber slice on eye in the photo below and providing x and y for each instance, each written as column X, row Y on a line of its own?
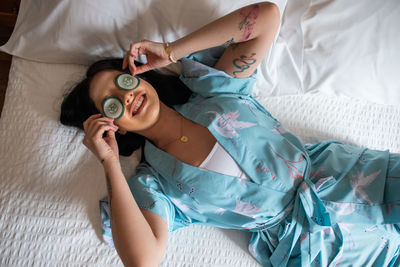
column 113, row 108
column 127, row 82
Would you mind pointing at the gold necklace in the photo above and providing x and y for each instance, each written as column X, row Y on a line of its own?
column 183, row 138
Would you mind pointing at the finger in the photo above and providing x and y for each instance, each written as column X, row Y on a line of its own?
column 133, row 66
column 142, row 68
column 94, row 116
column 142, row 50
column 98, row 134
column 104, row 119
column 129, row 53
column 133, row 50
column 124, row 65
column 110, row 136
column 90, row 119
column 111, row 133
column 112, row 140
column 114, row 127
column 130, row 65
column 92, row 129
column 96, row 119
column 103, row 123
column 129, row 60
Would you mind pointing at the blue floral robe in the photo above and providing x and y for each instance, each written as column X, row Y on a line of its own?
column 324, row 204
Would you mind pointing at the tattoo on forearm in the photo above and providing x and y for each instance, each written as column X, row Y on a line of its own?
column 248, row 21
column 243, row 63
column 109, row 189
column 229, row 42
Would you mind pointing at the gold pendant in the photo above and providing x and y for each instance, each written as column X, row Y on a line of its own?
column 184, row 139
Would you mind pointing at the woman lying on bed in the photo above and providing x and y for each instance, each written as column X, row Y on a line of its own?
column 213, row 155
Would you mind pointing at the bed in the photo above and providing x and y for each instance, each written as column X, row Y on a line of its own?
column 332, row 73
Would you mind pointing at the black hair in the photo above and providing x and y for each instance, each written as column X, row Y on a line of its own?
column 77, row 105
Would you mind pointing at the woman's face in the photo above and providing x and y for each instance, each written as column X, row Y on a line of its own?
column 137, row 117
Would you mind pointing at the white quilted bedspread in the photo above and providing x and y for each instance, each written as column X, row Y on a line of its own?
column 50, row 183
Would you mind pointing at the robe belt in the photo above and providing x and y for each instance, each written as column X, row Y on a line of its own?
column 308, row 212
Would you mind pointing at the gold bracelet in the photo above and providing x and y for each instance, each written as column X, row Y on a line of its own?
column 169, row 52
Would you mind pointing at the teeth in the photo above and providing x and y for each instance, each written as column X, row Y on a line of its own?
column 138, row 104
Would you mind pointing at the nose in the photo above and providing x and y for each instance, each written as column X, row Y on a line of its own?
column 128, row 98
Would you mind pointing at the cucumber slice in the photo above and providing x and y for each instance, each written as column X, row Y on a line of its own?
column 113, row 108
column 127, row 82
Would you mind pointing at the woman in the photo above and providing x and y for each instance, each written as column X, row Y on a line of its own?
column 221, row 159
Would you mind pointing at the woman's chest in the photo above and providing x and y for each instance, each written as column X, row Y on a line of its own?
column 194, row 146
column 267, row 153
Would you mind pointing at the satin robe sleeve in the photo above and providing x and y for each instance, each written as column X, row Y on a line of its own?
column 149, row 194
column 199, row 75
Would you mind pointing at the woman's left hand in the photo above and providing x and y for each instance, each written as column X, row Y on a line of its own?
column 155, row 54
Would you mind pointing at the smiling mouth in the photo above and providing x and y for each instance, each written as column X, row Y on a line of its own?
column 138, row 105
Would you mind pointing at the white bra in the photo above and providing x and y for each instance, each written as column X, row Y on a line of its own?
column 220, row 161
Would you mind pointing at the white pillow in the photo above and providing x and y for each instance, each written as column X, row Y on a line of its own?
column 280, row 73
column 352, row 48
column 84, row 31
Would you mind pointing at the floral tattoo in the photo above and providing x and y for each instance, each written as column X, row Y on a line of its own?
column 231, row 43
column 248, row 21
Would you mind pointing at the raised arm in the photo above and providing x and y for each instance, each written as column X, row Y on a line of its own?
column 249, row 30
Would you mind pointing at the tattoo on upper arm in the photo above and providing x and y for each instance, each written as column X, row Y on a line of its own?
column 109, row 189
column 243, row 63
column 248, row 21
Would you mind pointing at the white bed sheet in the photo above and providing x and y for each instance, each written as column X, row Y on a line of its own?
column 50, row 183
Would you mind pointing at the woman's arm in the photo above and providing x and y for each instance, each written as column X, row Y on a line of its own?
column 139, row 236
column 249, row 30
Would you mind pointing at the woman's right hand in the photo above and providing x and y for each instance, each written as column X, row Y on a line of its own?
column 104, row 148
column 155, row 54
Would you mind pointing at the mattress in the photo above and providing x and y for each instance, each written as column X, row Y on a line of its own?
column 50, row 183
